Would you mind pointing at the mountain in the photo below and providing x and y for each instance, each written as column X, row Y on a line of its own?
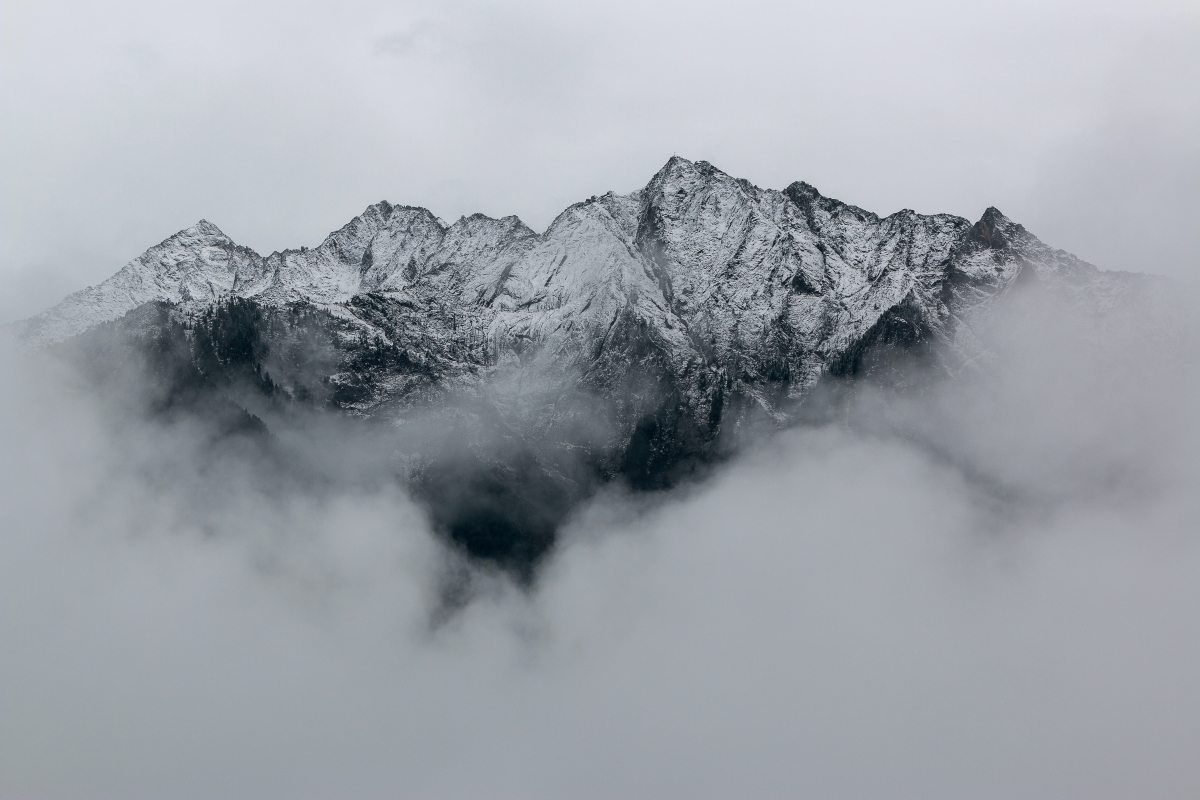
column 633, row 339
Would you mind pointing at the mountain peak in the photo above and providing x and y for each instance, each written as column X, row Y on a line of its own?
column 203, row 228
column 802, row 191
column 994, row 216
column 992, row 230
column 675, row 167
column 678, row 165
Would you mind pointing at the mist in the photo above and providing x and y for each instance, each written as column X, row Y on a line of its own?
column 983, row 584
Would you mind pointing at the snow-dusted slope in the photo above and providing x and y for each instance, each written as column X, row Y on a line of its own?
column 759, row 291
column 199, row 264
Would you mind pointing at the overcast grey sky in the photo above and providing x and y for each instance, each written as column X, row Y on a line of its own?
column 126, row 121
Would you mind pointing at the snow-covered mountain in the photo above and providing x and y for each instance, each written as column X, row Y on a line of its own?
column 627, row 339
column 774, row 287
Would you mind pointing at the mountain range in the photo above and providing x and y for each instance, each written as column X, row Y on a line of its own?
column 634, row 339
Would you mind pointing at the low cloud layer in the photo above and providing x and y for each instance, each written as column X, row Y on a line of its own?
column 988, row 589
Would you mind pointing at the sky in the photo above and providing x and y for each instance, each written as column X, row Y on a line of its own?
column 125, row 122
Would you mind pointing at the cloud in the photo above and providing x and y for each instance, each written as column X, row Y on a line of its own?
column 986, row 590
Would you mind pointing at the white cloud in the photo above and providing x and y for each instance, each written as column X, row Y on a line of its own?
column 999, row 602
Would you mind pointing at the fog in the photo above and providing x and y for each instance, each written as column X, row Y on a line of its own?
column 127, row 121
column 988, row 588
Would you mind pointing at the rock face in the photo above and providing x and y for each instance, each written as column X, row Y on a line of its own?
column 630, row 339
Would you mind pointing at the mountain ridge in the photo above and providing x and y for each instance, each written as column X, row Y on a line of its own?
column 635, row 339
column 371, row 241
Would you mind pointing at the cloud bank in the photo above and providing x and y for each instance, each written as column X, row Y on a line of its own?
column 984, row 588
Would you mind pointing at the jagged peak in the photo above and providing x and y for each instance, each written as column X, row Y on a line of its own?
column 376, row 217
column 802, row 190
column 675, row 163
column 680, row 176
column 994, row 216
column 479, row 221
column 677, row 168
column 993, row 229
column 201, row 228
column 393, row 214
column 385, row 210
column 805, row 195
